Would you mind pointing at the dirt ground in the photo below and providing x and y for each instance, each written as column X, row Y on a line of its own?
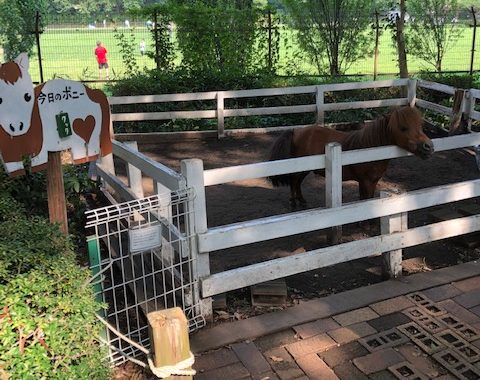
column 246, row 200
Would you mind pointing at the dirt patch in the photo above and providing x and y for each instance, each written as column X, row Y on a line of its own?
column 250, row 199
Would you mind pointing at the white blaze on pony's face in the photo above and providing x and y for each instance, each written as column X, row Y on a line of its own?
column 16, row 96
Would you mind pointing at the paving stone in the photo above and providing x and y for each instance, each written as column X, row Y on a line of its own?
column 378, row 361
column 389, row 321
column 420, row 360
column 347, row 334
column 317, row 343
column 406, row 370
column 265, row 376
column 251, row 358
column 347, row 371
column 476, row 310
column 355, row 316
column 392, row 305
column 468, row 299
column 382, row 375
column 446, row 377
column 339, row 355
column 283, row 364
column 320, row 326
column 270, row 341
column 459, row 311
column 215, row 359
column 476, row 343
column 441, row 293
column 468, row 284
column 315, row 368
column 231, row 372
column 383, row 339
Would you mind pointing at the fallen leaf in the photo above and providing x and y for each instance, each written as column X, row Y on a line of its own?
column 276, row 359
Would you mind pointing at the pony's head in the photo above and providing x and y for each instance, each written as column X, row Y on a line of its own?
column 405, row 124
column 16, row 96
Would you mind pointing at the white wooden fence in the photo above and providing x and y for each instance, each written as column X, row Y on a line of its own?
column 393, row 209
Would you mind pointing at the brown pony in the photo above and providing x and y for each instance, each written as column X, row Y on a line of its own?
column 402, row 127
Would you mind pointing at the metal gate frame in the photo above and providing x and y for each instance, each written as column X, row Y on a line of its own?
column 141, row 259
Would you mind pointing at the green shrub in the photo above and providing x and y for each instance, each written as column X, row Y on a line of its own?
column 48, row 327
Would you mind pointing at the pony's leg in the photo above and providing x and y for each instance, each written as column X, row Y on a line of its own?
column 296, row 188
column 367, row 191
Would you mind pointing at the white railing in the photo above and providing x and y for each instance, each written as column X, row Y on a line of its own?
column 253, row 231
column 220, row 112
column 236, row 234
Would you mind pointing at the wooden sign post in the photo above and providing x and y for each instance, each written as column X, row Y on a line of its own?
column 57, row 205
column 42, row 122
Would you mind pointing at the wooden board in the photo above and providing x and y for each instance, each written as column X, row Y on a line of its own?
column 271, row 293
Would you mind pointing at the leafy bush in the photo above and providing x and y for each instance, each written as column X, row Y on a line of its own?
column 48, row 327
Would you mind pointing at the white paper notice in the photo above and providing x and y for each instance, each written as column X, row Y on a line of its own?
column 145, row 238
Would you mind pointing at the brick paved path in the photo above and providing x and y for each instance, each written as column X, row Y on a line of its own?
column 425, row 326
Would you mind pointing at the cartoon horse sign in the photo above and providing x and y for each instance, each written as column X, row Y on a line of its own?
column 52, row 117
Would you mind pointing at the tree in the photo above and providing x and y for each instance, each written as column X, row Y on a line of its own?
column 332, row 31
column 215, row 35
column 17, row 22
column 431, row 29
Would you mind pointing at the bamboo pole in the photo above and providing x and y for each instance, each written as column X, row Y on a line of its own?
column 169, row 339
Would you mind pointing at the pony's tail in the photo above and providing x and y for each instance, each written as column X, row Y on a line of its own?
column 281, row 150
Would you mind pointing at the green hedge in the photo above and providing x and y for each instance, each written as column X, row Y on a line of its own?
column 48, row 327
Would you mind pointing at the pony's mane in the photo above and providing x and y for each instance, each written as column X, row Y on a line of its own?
column 380, row 131
column 10, row 72
column 376, row 133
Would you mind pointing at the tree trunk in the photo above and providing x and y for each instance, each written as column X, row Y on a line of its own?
column 402, row 53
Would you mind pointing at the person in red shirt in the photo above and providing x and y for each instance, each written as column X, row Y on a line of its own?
column 101, row 54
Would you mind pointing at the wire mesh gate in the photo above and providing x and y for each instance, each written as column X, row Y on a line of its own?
column 141, row 261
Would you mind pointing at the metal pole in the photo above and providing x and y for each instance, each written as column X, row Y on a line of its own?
column 474, row 39
column 377, row 37
column 37, row 39
column 155, row 31
column 269, row 39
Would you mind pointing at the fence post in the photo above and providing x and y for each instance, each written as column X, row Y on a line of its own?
column 393, row 223
column 269, row 20
column 220, row 117
column 469, row 107
column 333, row 184
column 377, row 38
column 472, row 58
column 134, row 174
column 192, row 170
column 155, row 33
column 37, row 39
column 457, row 111
column 320, row 101
column 412, row 92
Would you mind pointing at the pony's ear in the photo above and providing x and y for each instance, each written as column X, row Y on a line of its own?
column 22, row 61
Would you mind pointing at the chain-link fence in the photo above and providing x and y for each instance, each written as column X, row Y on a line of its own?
column 67, row 48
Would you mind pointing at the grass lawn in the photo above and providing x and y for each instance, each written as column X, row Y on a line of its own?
column 68, row 53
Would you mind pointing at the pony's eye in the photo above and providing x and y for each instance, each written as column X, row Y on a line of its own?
column 1, row 100
column 27, row 97
column 404, row 129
